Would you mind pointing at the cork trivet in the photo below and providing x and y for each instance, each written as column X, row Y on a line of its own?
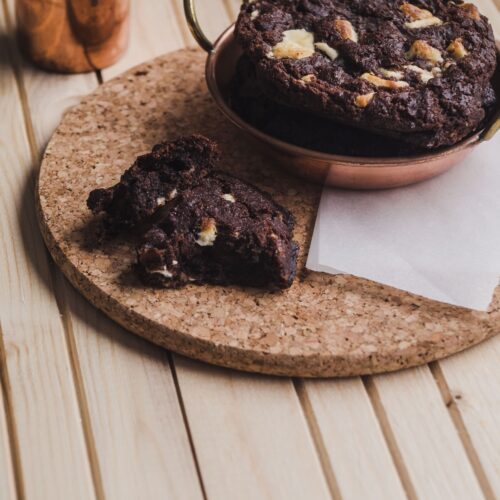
column 323, row 326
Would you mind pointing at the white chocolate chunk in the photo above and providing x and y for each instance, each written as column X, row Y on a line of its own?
column 457, row 49
column 160, row 201
column 163, row 271
column 172, row 194
column 361, row 101
column 414, row 12
column 208, row 233
column 330, row 52
column 420, row 18
column 421, row 49
column 296, row 44
column 389, row 73
column 254, row 14
column 346, row 30
column 424, row 23
column 229, row 197
column 380, row 82
column 424, row 74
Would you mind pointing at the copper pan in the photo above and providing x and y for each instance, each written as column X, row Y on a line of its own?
column 333, row 170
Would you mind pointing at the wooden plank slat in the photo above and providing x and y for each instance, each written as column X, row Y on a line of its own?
column 353, row 440
column 52, row 448
column 141, row 441
column 138, row 441
column 250, row 435
column 428, row 441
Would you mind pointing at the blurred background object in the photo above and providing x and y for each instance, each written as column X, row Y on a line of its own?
column 73, row 36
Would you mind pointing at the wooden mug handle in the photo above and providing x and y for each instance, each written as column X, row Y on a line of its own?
column 73, row 36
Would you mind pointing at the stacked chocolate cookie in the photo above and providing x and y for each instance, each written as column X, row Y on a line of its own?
column 419, row 72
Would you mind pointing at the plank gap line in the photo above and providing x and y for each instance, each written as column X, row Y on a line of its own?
column 463, row 434
column 10, row 422
column 186, row 423
column 317, row 438
column 385, row 426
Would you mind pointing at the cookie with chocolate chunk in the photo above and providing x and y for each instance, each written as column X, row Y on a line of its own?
column 417, row 70
column 203, row 225
column 154, row 179
column 303, row 129
column 222, row 231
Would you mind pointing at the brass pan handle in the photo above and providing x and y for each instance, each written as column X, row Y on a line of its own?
column 194, row 26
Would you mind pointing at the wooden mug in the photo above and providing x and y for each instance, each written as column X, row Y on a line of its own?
column 73, row 36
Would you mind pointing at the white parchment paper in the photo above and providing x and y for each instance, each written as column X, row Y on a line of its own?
column 439, row 238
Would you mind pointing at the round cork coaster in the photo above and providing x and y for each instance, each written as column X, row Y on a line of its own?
column 322, row 326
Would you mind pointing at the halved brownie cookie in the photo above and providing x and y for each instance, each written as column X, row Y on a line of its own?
column 204, row 226
column 419, row 70
column 221, row 231
column 154, row 179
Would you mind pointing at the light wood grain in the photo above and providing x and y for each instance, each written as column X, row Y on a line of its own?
column 154, row 30
column 250, row 436
column 44, row 401
column 428, row 441
column 233, row 7
column 353, row 439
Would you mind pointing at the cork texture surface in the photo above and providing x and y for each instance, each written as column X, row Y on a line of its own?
column 322, row 326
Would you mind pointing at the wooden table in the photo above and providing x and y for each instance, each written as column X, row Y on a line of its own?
column 88, row 410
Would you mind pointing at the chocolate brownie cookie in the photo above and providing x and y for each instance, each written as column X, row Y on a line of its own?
column 221, row 231
column 417, row 70
column 201, row 225
column 248, row 99
column 154, row 179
